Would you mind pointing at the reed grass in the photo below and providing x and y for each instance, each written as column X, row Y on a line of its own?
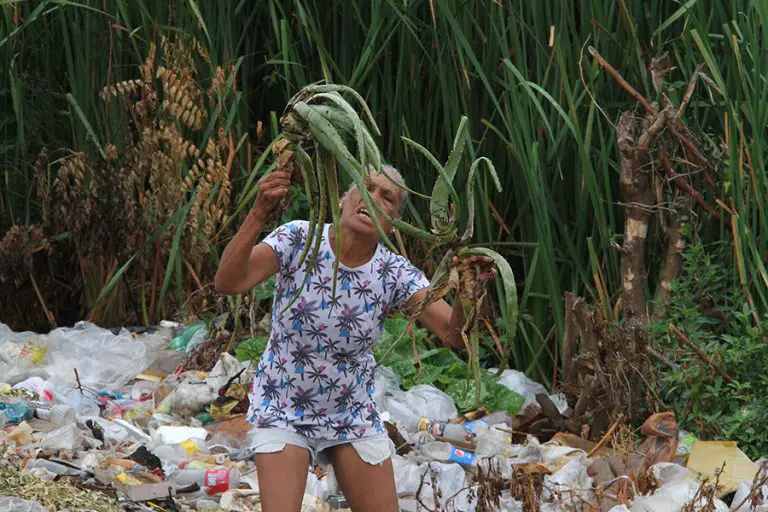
column 541, row 109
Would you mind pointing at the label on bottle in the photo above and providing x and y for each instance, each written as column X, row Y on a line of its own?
column 461, row 457
column 217, row 480
column 436, row 428
column 471, row 426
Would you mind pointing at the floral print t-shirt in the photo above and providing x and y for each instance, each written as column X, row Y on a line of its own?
column 316, row 376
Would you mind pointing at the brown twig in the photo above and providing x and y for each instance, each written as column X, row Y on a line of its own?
column 606, row 437
column 510, row 431
column 757, row 484
column 674, row 128
column 620, row 79
column 79, row 385
column 499, row 218
column 700, row 353
column 660, row 358
column 685, row 186
column 689, row 90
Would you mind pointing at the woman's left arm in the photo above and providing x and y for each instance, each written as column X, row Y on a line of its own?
column 446, row 321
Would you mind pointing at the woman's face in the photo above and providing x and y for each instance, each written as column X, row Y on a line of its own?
column 356, row 217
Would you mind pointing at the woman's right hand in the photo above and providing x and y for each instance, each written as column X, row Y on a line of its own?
column 272, row 189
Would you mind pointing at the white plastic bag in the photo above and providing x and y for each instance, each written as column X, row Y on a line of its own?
column 678, row 487
column 451, row 479
column 227, row 367
column 407, row 476
column 420, row 401
column 571, row 478
column 68, row 438
column 104, row 361
column 21, row 355
column 742, row 492
column 386, row 382
column 528, row 389
column 495, row 442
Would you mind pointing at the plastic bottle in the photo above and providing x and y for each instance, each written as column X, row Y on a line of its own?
column 445, row 452
column 476, row 427
column 56, row 414
column 214, row 480
column 173, row 455
column 450, row 431
column 53, row 467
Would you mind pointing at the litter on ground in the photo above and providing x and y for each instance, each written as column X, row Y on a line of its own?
column 94, row 419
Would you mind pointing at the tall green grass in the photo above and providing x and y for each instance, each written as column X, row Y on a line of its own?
column 539, row 107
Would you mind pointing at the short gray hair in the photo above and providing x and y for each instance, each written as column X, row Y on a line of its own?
column 395, row 176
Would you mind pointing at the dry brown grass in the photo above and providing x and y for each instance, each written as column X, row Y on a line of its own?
column 126, row 205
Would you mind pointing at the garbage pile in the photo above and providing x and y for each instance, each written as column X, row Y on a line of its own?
column 108, row 420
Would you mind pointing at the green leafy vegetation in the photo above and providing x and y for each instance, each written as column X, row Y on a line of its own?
column 441, row 368
column 250, row 349
column 724, row 396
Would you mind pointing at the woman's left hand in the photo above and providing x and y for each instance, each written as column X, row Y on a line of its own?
column 486, row 270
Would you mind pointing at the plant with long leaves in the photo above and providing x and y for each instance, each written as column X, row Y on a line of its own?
column 462, row 281
column 321, row 129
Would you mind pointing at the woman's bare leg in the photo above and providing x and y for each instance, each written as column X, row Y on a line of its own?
column 367, row 487
column 282, row 478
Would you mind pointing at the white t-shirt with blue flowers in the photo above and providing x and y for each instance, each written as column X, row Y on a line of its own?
column 316, row 377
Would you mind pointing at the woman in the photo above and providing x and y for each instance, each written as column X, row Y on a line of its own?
column 312, row 394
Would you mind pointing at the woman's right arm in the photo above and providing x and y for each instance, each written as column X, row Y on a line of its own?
column 242, row 265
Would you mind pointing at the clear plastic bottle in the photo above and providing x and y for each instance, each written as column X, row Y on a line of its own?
column 172, row 455
column 53, row 467
column 445, row 452
column 477, row 427
column 445, row 430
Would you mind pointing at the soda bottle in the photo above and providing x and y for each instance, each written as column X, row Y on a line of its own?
column 445, row 452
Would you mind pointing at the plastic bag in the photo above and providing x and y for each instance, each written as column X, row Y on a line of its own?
column 678, row 487
column 317, row 487
column 421, row 401
column 407, row 476
column 181, row 341
column 742, row 492
column 509, row 504
column 104, row 361
column 189, row 399
column 21, row 354
column 451, row 479
column 571, row 478
column 83, row 404
column 9, row 504
column 386, row 383
column 495, row 442
column 65, row 438
column 227, row 367
column 528, row 389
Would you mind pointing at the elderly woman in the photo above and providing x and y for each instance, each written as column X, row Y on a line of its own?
column 312, row 397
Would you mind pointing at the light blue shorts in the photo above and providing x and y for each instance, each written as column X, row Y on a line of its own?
column 374, row 450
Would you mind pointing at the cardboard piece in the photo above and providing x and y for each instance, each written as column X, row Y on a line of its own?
column 707, row 458
column 148, row 492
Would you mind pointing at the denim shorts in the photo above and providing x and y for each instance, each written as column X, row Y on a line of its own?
column 374, row 450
